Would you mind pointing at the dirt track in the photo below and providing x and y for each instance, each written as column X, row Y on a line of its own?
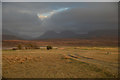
column 90, row 60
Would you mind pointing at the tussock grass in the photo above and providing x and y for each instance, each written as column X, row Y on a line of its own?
column 56, row 63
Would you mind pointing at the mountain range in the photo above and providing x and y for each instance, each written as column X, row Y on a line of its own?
column 7, row 35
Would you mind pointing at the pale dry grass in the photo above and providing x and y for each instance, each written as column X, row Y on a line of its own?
column 57, row 63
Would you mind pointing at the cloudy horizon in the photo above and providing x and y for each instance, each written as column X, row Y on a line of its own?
column 33, row 19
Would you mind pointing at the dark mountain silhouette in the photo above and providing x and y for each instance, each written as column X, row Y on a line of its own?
column 7, row 35
column 63, row 34
column 103, row 33
column 10, row 37
column 70, row 34
column 49, row 34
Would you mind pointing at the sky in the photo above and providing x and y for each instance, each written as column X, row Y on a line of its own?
column 35, row 18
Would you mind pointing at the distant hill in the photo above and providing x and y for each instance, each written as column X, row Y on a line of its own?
column 67, row 38
column 98, row 34
column 106, row 33
column 49, row 34
column 10, row 37
column 70, row 34
column 63, row 34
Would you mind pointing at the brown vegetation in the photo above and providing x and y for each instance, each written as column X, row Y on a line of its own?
column 63, row 42
column 71, row 62
column 19, row 59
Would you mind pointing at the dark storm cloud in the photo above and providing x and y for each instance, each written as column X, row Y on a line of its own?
column 22, row 18
column 93, row 16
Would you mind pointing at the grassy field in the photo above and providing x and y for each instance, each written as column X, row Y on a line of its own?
column 64, row 62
